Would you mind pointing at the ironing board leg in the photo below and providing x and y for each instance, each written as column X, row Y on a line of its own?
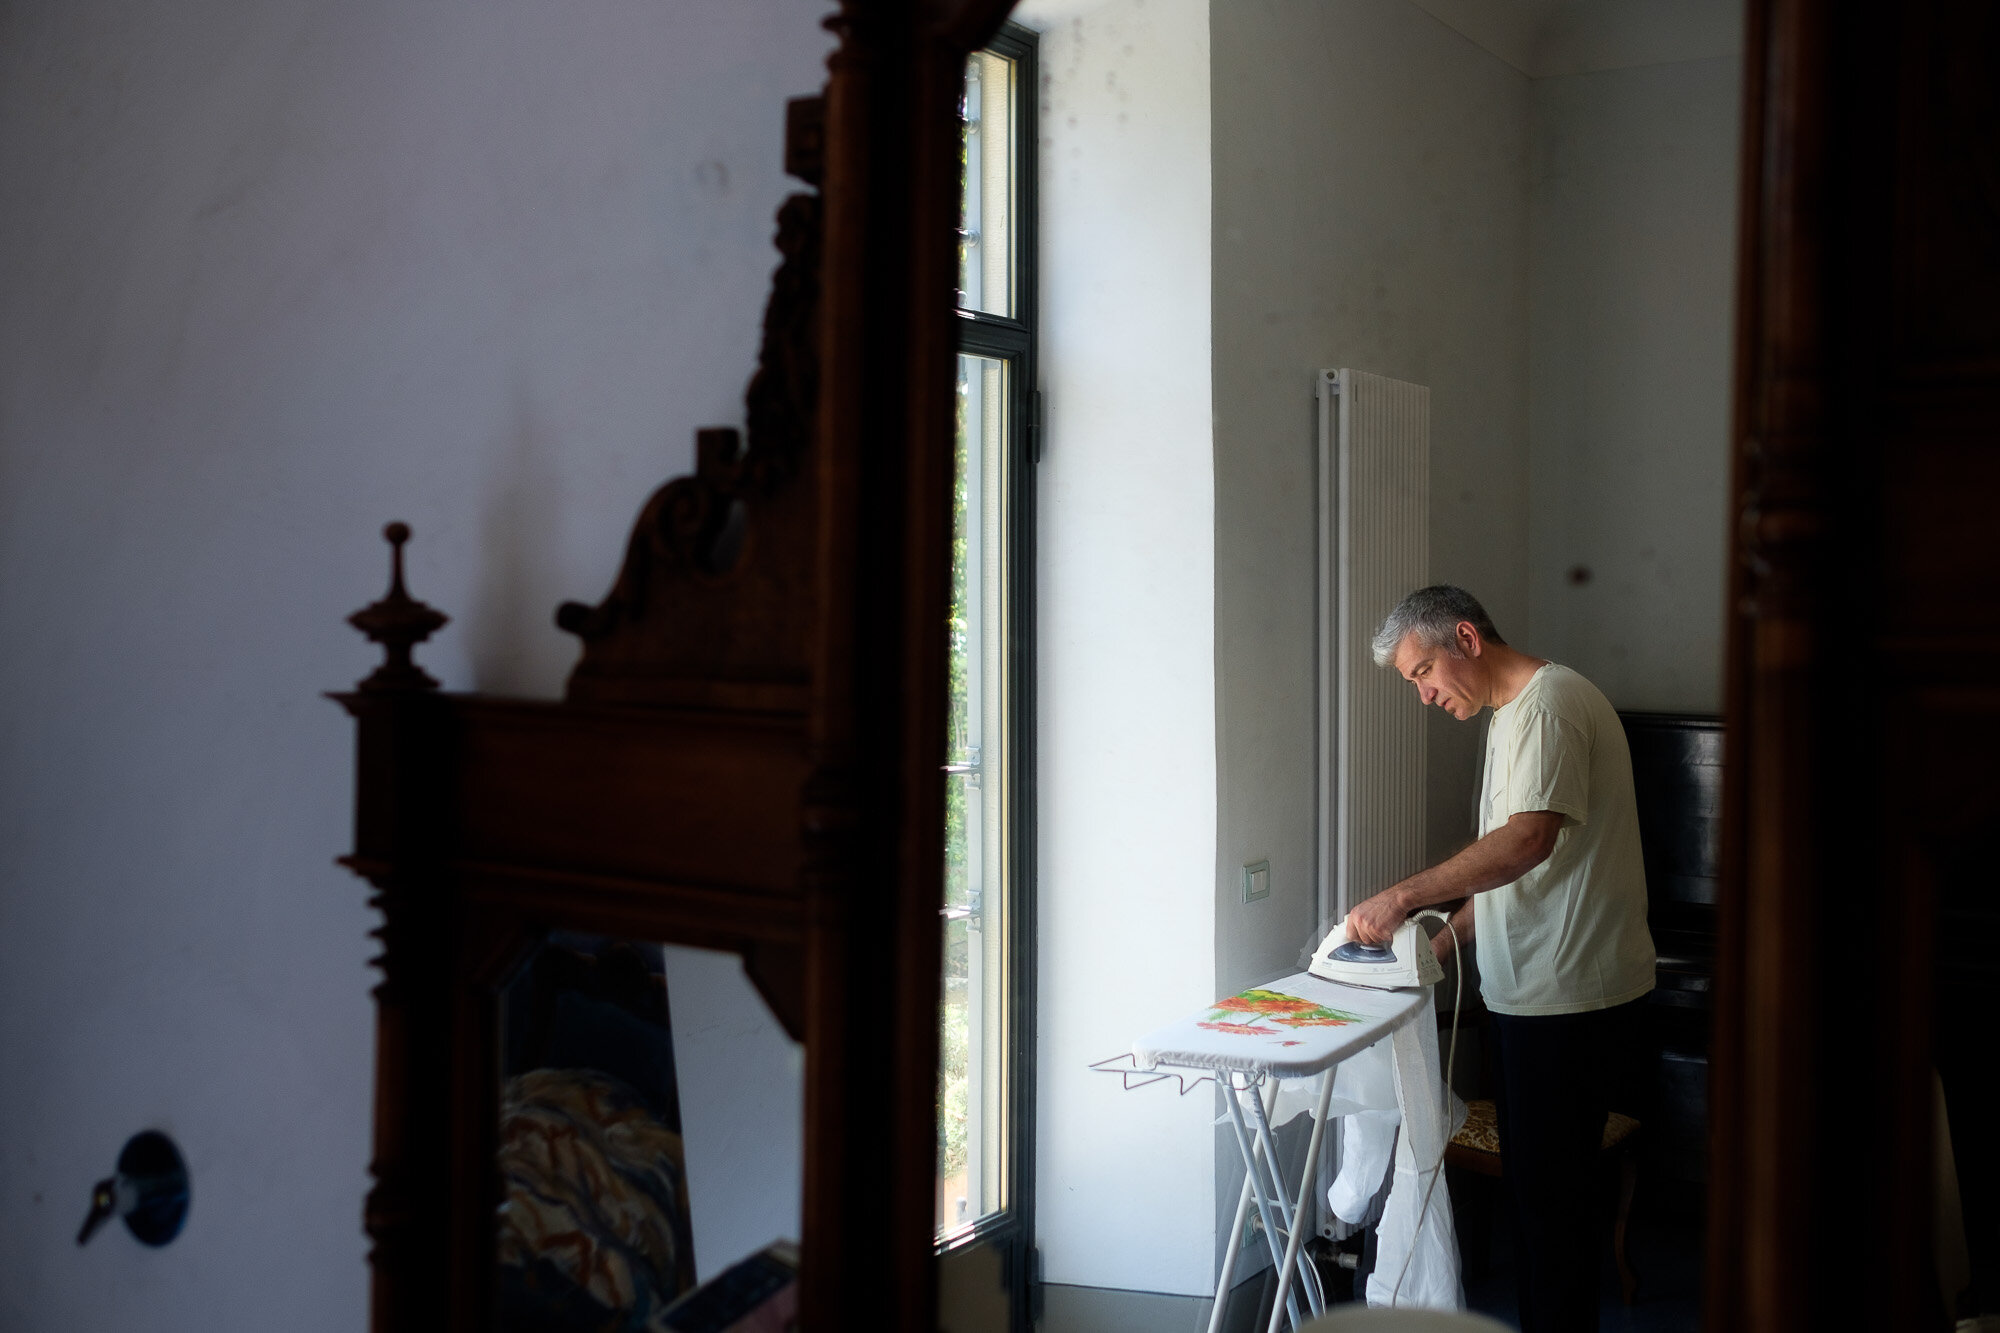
column 1250, row 1166
column 1229, row 1256
column 1294, row 1216
column 1300, row 1215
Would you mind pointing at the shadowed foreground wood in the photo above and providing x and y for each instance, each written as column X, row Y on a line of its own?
column 1864, row 663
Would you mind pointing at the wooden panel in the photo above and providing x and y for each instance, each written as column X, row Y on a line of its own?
column 708, row 798
column 1937, row 489
column 705, row 916
column 1863, row 694
column 1951, row 732
column 1947, row 191
column 875, row 803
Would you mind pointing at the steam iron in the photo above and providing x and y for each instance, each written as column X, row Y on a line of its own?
column 1408, row 959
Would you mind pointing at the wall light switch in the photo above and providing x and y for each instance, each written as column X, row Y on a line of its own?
column 1256, row 881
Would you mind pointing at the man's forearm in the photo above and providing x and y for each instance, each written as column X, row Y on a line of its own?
column 1501, row 857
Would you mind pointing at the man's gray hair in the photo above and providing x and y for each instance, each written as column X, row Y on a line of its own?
column 1432, row 614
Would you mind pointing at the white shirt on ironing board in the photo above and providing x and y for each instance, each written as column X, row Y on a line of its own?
column 1570, row 935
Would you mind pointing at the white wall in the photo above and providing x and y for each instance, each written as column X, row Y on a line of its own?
column 1633, row 290
column 1548, row 37
column 277, row 272
column 1579, row 36
column 1126, row 677
column 1371, row 211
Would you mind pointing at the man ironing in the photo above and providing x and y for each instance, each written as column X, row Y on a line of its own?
column 1555, row 895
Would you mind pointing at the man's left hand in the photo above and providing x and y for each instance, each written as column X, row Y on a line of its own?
column 1374, row 921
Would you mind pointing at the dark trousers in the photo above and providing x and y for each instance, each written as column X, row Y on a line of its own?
column 1557, row 1077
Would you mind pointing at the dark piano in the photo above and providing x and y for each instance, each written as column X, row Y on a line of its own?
column 1677, row 772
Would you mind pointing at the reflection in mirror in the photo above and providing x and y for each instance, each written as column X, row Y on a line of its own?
column 646, row 1144
column 594, row 1226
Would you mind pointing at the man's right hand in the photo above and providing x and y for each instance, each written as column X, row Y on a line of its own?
column 1374, row 920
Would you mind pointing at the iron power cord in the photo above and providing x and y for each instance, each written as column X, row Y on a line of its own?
column 1457, row 996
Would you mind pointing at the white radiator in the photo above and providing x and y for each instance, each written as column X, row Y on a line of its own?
column 1374, row 546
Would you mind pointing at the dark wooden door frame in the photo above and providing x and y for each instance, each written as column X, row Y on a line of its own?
column 1863, row 698
column 875, row 805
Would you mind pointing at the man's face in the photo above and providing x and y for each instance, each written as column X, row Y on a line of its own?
column 1455, row 684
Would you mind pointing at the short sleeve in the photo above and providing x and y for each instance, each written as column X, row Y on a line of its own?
column 1548, row 769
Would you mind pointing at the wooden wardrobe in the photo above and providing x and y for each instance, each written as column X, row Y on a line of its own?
column 748, row 755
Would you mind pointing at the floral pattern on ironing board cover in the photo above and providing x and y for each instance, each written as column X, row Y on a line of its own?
column 1287, row 1011
column 1295, row 1026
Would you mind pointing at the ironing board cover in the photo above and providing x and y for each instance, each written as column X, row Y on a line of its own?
column 1294, row 1027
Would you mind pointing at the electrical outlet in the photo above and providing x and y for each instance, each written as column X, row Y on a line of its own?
column 1256, row 881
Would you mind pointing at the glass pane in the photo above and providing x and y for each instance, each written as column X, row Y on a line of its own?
column 972, row 1073
column 986, row 216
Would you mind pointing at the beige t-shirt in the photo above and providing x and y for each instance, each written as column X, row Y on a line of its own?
column 1570, row 935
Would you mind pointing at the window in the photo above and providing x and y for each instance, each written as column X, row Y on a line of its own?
column 988, row 267
column 984, row 1069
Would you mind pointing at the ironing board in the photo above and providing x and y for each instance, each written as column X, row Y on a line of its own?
column 1296, row 1027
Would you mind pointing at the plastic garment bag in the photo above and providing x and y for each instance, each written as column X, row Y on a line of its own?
column 1416, row 1247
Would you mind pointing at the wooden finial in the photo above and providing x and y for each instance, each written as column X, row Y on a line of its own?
column 399, row 623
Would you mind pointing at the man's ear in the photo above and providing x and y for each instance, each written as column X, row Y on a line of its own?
column 1468, row 639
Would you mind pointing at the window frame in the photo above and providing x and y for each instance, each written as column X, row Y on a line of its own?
column 1012, row 340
